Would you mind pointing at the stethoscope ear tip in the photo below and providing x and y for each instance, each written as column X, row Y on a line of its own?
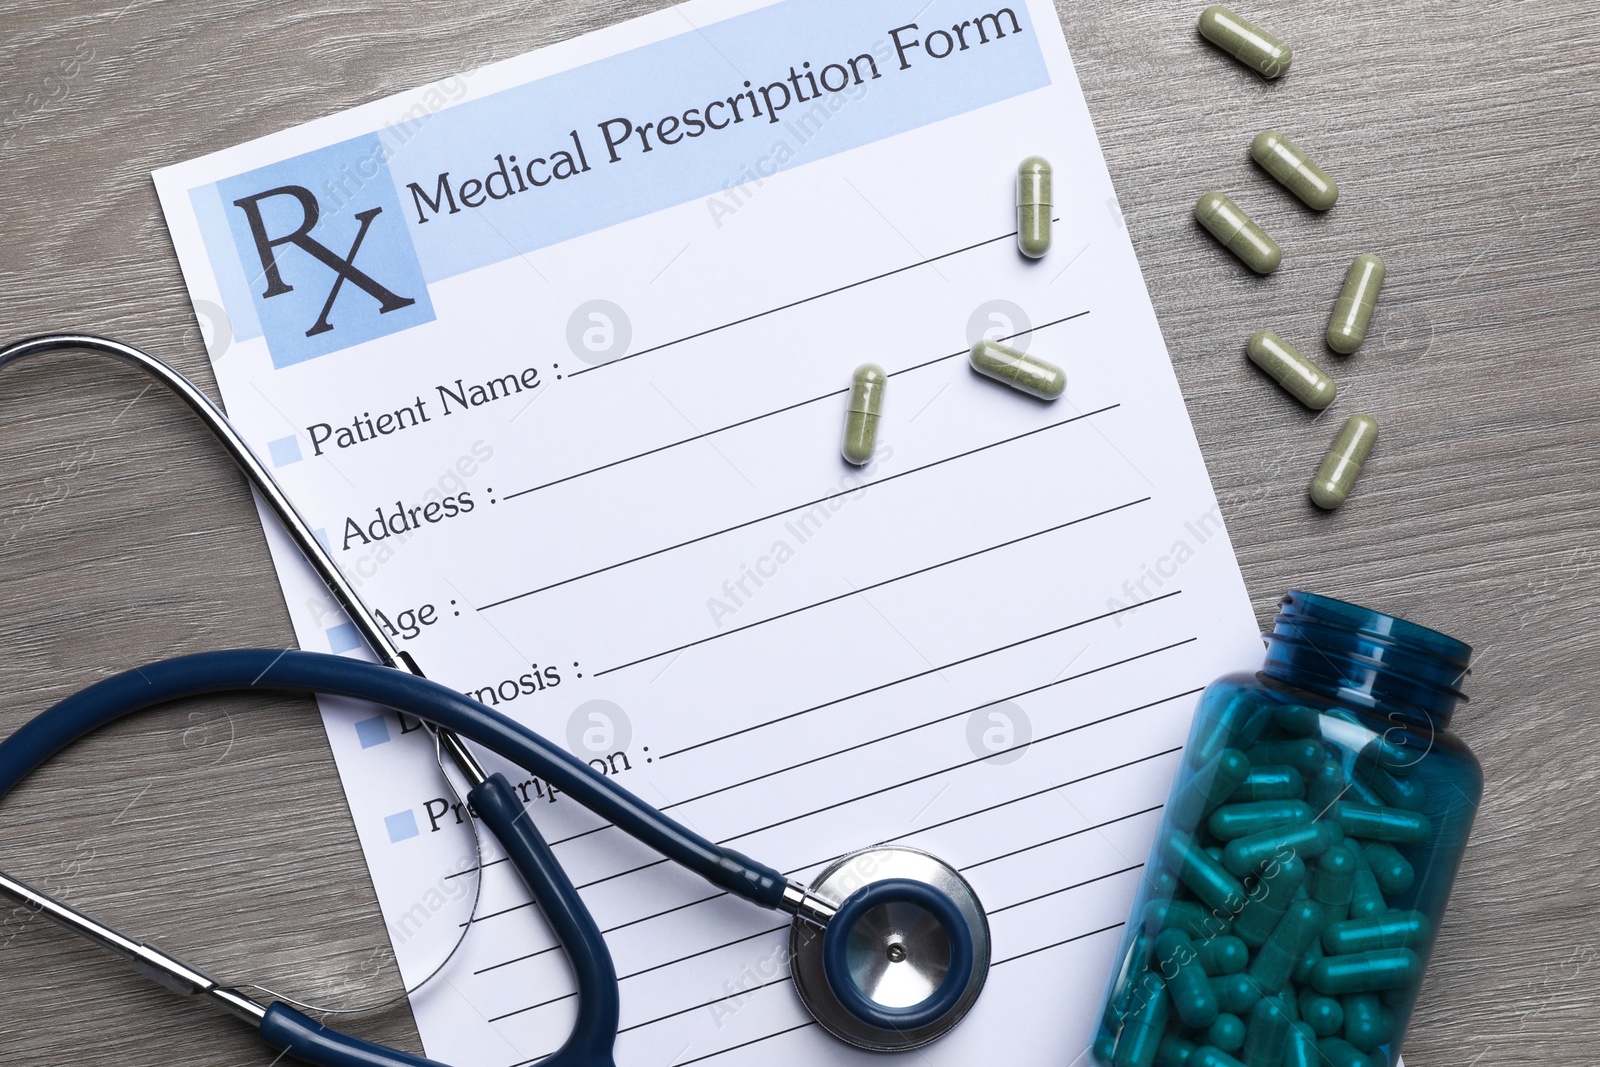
column 904, row 957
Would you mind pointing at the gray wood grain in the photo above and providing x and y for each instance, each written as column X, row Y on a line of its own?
column 1464, row 137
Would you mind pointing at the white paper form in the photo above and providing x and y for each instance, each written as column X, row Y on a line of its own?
column 555, row 354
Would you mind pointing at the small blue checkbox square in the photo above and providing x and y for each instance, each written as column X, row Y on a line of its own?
column 373, row 731
column 285, row 450
column 402, row 826
column 343, row 638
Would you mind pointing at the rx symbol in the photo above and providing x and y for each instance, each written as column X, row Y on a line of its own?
column 344, row 267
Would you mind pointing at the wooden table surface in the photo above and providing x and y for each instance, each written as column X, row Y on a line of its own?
column 1464, row 137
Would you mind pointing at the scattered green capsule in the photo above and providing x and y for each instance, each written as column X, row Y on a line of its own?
column 1242, row 820
column 1266, row 1035
column 1034, row 180
column 1325, row 1015
column 1246, row 42
column 1236, row 994
column 1364, row 1024
column 1394, row 929
column 1019, row 370
column 1334, row 881
column 1211, row 1056
column 1222, row 955
column 1238, row 233
column 1300, row 378
column 1205, row 877
column 1187, row 983
column 1295, row 171
column 1302, row 753
column 1302, row 1050
column 1275, row 962
column 1382, row 823
column 1352, row 312
column 1366, row 972
column 1298, row 720
column 1174, row 1052
column 1342, row 465
column 1269, row 783
column 1392, row 871
column 1147, row 1021
column 1307, row 840
column 861, row 420
column 1337, row 1052
column 1208, row 788
column 1269, row 897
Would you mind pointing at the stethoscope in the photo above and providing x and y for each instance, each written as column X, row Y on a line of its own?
column 888, row 947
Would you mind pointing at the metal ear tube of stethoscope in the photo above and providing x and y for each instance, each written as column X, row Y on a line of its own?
column 889, row 946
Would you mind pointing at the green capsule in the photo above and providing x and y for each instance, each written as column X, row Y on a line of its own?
column 1364, row 1024
column 1393, row 929
column 1236, row 994
column 1204, row 876
column 1342, row 465
column 1325, row 1015
column 1407, row 793
column 1242, row 820
column 861, row 421
column 1238, row 233
column 1275, row 962
column 1174, row 1052
column 1297, row 720
column 1366, row 972
column 1208, row 788
column 1302, row 1050
column 1236, row 725
column 1326, row 788
column 1392, row 871
column 1294, row 170
column 1337, row 1052
column 1266, row 1035
column 1034, row 200
column 1211, row 1056
column 1366, row 899
column 1227, row 1033
column 1222, row 955
column 1382, row 823
column 1300, row 378
column 1025, row 373
column 1334, row 881
column 1269, row 783
column 1147, row 1022
column 1183, row 915
column 1187, row 983
column 1302, row 753
column 1352, row 312
column 1269, row 897
column 1307, row 840
column 1248, row 43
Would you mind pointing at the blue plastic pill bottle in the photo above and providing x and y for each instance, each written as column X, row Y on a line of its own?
column 1305, row 856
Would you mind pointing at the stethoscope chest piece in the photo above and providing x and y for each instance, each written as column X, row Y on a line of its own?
column 904, row 957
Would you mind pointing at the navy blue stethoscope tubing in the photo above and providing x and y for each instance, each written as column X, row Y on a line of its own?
column 590, row 1043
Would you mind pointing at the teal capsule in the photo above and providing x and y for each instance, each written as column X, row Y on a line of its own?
column 1352, row 312
column 1269, row 783
column 1034, row 201
column 1374, row 823
column 1297, row 720
column 1308, row 961
column 1275, row 962
column 1302, row 753
column 1183, row 915
column 1365, row 1025
column 1302, row 1050
column 1326, row 788
column 1208, row 788
column 1266, row 1035
column 1399, row 756
column 1334, row 881
column 1237, row 725
column 1236, row 993
column 1342, row 465
column 1324, row 1015
column 1222, row 955
column 1269, row 896
column 1187, row 983
column 1393, row 929
column 1242, row 820
column 1337, row 1052
column 1174, row 1052
column 1366, row 972
column 1299, row 376
column 1294, row 170
column 1147, row 1022
column 1121, row 996
column 1366, row 899
column 1246, row 42
column 1408, row 793
column 1238, row 232
column 1161, row 881
column 1307, row 840
column 1227, row 1033
column 861, row 418
column 1104, row 1047
column 1211, row 1056
column 1024, row 373
column 1204, row 876
column 1392, row 871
